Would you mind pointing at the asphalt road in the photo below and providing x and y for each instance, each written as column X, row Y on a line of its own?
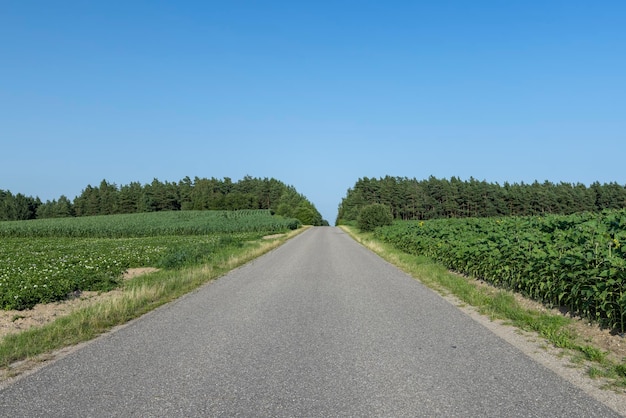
column 320, row 327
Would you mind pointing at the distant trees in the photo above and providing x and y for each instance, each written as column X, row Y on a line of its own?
column 455, row 198
column 187, row 194
column 61, row 208
column 17, row 207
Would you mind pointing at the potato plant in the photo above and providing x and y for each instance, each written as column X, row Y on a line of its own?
column 46, row 260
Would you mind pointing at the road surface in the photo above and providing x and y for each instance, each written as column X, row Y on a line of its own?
column 320, row 327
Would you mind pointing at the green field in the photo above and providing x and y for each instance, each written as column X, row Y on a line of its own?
column 46, row 260
column 151, row 224
column 575, row 261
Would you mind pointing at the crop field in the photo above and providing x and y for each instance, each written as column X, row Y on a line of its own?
column 575, row 261
column 151, row 224
column 46, row 260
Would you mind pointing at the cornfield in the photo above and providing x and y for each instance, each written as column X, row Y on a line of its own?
column 151, row 224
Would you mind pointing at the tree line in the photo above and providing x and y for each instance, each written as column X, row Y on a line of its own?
column 186, row 194
column 455, row 198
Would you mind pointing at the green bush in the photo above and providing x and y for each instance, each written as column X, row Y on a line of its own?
column 373, row 216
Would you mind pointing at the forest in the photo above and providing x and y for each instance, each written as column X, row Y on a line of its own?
column 186, row 194
column 432, row 198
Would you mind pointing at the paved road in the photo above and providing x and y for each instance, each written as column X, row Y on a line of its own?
column 320, row 327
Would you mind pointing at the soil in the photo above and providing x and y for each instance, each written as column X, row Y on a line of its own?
column 13, row 321
column 273, row 236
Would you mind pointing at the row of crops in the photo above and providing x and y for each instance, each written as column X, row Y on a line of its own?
column 47, row 260
column 151, row 224
column 576, row 261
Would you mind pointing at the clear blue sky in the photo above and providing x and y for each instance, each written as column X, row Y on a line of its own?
column 316, row 94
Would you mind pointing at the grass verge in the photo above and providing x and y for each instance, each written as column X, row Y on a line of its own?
column 140, row 295
column 502, row 305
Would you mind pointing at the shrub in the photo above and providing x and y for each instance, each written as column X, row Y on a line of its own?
column 373, row 216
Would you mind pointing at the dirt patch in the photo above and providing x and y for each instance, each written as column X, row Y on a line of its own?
column 139, row 271
column 273, row 236
column 13, row 321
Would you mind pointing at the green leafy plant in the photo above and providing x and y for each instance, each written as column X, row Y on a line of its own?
column 576, row 261
column 47, row 260
column 374, row 216
column 151, row 224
